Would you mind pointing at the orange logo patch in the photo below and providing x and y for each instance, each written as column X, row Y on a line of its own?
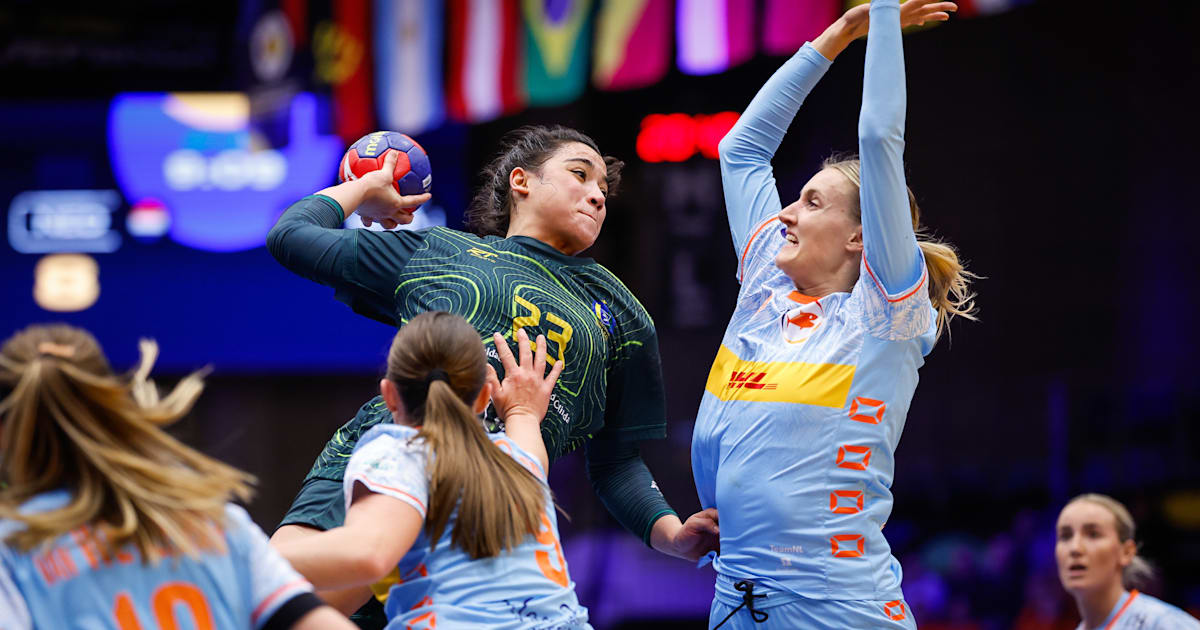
column 867, row 410
column 803, row 320
column 847, row 545
column 855, row 497
column 842, row 462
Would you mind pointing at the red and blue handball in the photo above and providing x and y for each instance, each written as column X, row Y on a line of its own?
column 413, row 175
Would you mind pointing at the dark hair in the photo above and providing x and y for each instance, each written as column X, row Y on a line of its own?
column 529, row 148
column 437, row 362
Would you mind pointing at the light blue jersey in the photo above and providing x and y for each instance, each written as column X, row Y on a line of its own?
column 1138, row 611
column 70, row 584
column 526, row 588
column 807, row 398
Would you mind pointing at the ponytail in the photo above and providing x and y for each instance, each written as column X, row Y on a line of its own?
column 499, row 502
column 438, row 365
column 70, row 423
column 949, row 281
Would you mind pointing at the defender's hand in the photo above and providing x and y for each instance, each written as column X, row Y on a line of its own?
column 526, row 389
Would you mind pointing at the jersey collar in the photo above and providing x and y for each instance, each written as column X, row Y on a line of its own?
column 529, row 242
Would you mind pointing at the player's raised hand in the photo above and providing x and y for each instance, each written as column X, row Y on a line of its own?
column 856, row 21
column 912, row 13
column 381, row 202
column 526, row 389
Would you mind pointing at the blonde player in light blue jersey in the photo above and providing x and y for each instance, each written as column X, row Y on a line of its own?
column 455, row 527
column 1099, row 566
column 807, row 397
column 108, row 523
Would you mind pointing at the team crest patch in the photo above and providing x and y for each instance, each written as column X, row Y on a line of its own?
column 604, row 316
column 801, row 322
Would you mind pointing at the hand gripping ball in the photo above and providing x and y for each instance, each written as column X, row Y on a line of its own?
column 413, row 175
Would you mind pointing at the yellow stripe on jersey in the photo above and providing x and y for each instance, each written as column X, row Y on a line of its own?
column 820, row 384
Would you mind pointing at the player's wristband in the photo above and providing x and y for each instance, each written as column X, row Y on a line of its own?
column 292, row 610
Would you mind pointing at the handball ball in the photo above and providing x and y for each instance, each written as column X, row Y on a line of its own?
column 413, row 175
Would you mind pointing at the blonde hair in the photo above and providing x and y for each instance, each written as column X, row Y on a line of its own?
column 70, row 423
column 1138, row 573
column 437, row 363
column 949, row 280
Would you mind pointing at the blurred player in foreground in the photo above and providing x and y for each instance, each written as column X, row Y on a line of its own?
column 458, row 523
column 108, row 522
column 1099, row 566
column 806, row 400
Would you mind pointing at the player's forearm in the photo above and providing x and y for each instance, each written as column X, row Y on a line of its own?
column 526, row 432
column 833, row 40
column 663, row 533
column 349, row 195
column 337, row 559
column 346, row 600
column 760, row 129
column 625, row 486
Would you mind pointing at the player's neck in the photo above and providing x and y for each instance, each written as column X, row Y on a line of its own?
column 1095, row 606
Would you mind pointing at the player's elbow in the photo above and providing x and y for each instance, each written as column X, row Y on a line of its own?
column 277, row 239
column 366, row 565
column 735, row 147
column 876, row 133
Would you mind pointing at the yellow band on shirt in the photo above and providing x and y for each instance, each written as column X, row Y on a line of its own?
column 820, row 384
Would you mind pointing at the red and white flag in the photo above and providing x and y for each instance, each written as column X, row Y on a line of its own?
column 485, row 59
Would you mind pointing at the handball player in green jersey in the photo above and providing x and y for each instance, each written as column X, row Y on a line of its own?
column 543, row 201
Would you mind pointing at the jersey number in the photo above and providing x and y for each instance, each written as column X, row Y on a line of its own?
column 546, row 537
column 165, row 601
column 534, row 318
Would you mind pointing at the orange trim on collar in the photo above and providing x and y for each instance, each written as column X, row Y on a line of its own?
column 1132, row 595
column 797, row 296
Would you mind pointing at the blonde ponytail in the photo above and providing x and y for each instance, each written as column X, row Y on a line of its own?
column 949, row 281
column 70, row 423
column 437, row 363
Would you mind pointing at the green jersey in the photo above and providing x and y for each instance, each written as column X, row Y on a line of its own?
column 611, row 388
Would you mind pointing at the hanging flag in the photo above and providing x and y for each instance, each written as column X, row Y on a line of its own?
column 787, row 24
column 556, row 41
column 713, row 35
column 341, row 47
column 408, row 64
column 485, row 59
column 633, row 43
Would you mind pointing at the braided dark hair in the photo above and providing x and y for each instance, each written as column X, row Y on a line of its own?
column 526, row 147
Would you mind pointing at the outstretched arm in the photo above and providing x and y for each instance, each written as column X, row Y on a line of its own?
column 746, row 151
column 889, row 245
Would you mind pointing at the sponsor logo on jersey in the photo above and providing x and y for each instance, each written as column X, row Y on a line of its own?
column 750, row 380
column 483, row 254
column 820, row 384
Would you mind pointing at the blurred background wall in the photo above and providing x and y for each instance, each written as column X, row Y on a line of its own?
column 1052, row 142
